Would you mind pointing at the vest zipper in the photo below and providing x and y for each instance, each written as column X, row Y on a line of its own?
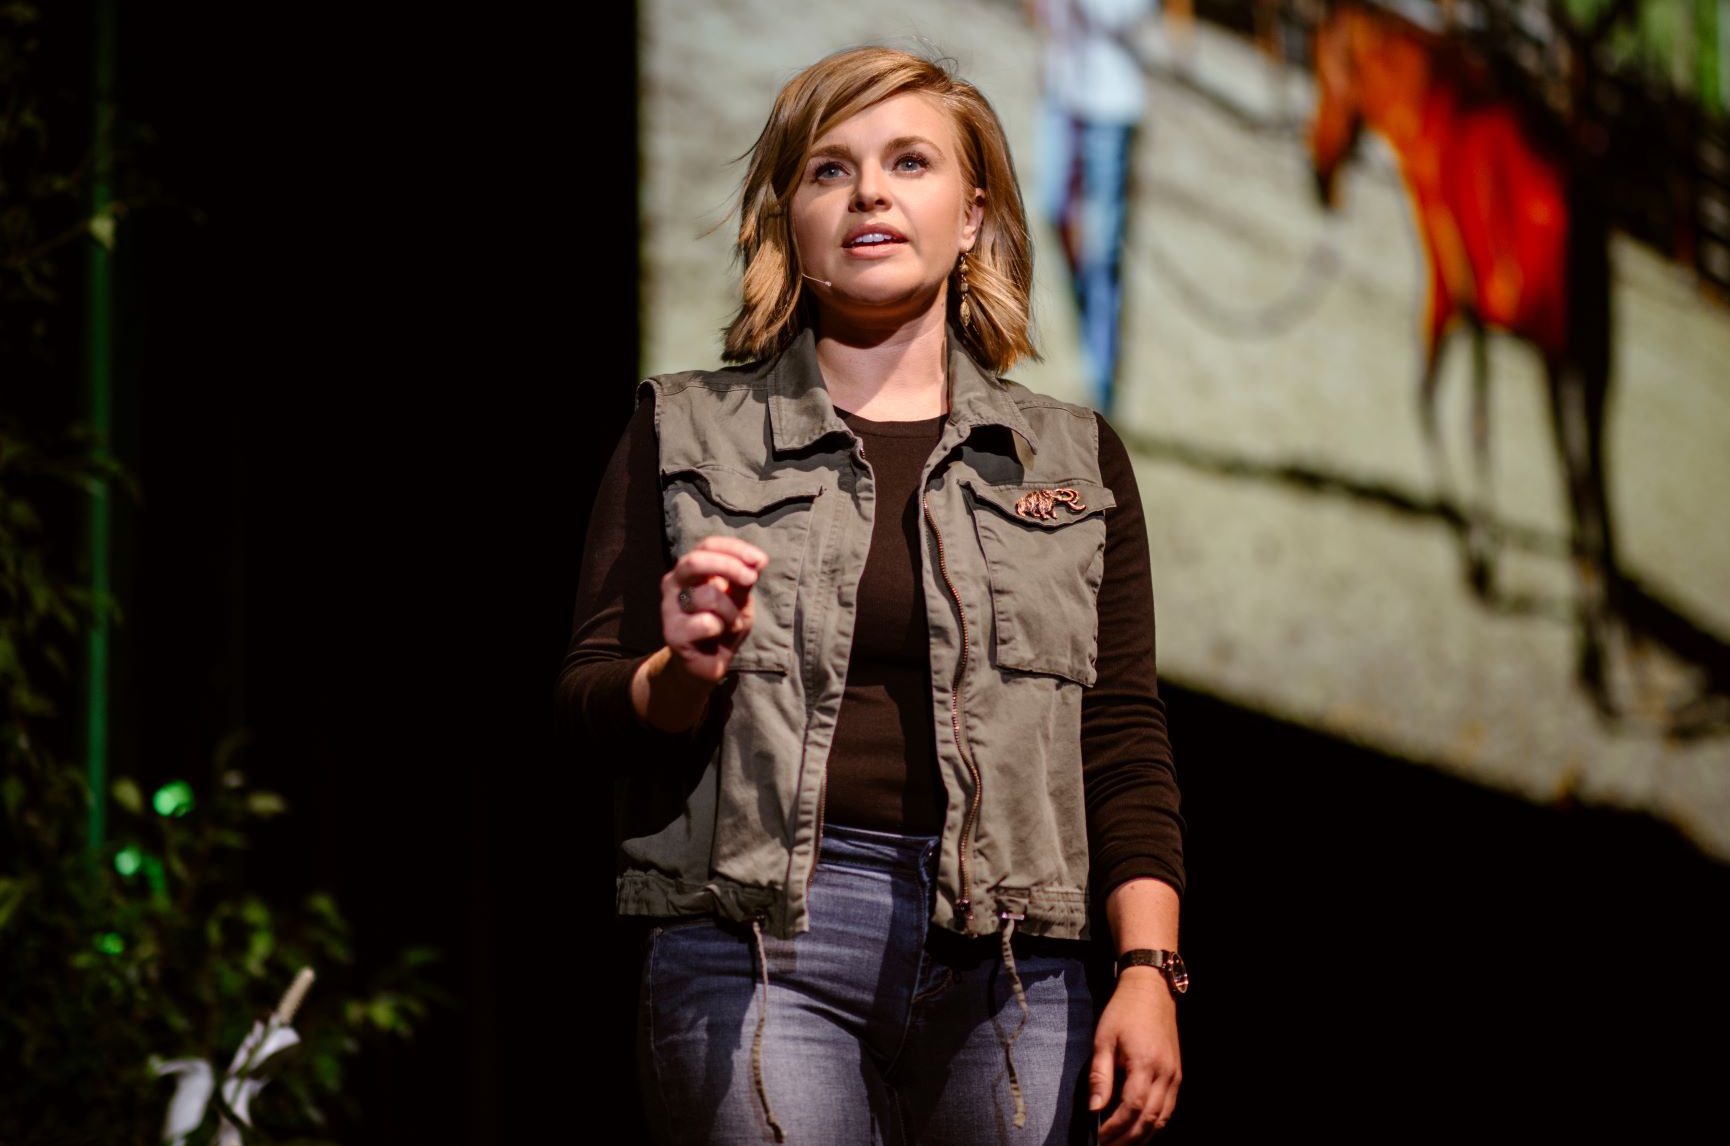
column 965, row 903
column 817, row 849
column 823, row 785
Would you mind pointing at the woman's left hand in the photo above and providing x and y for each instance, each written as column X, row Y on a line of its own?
column 1137, row 1034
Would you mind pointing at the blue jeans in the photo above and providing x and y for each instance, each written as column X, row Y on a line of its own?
column 879, row 1029
column 1083, row 184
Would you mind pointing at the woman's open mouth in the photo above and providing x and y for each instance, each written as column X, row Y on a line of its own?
column 873, row 241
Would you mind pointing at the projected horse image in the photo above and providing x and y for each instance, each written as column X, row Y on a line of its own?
column 1516, row 240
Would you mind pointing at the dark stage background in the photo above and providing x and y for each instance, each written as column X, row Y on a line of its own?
column 368, row 388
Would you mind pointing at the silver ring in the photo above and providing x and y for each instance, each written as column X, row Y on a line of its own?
column 685, row 600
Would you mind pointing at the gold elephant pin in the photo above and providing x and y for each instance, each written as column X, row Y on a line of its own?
column 1042, row 503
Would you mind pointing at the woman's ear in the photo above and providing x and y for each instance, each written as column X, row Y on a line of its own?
column 973, row 218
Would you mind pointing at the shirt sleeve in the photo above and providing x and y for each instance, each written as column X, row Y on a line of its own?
column 1134, row 825
column 617, row 621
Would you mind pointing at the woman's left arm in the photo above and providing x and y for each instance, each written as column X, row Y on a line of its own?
column 1135, row 829
column 1137, row 1033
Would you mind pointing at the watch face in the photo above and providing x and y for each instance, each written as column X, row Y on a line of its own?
column 1179, row 974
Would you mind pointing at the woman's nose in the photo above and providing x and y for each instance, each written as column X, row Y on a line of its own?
column 871, row 190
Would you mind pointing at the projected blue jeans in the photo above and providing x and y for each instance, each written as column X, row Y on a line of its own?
column 1083, row 182
column 879, row 1030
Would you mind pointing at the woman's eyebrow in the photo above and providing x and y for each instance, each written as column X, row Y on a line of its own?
column 844, row 152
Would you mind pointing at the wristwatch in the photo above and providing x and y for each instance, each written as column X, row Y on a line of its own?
column 1170, row 964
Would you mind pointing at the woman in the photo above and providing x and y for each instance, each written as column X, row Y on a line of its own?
column 867, row 632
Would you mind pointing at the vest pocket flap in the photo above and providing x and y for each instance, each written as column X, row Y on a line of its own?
column 773, row 513
column 1044, row 550
column 745, row 493
column 1045, row 506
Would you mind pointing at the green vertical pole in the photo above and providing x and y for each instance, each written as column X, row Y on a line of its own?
column 1707, row 46
column 99, row 323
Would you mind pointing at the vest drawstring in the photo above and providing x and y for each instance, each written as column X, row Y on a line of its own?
column 757, row 1042
column 1009, row 919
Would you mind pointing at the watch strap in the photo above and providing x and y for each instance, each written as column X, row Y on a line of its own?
column 1170, row 964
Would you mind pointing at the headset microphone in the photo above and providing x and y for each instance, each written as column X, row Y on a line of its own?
column 815, row 279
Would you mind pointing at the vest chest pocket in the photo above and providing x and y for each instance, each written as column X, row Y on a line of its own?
column 1044, row 548
column 773, row 513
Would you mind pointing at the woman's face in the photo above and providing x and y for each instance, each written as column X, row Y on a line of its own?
column 881, row 211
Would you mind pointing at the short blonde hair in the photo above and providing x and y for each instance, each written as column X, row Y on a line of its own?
column 774, row 306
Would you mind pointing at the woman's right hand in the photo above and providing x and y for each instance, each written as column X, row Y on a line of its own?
column 705, row 630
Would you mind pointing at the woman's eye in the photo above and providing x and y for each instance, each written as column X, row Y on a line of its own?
column 919, row 162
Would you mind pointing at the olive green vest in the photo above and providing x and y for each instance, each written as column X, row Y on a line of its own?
column 1012, row 554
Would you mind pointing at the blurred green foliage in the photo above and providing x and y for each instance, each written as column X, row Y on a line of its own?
column 156, row 944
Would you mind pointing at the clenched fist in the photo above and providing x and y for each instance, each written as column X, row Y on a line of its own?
column 706, row 604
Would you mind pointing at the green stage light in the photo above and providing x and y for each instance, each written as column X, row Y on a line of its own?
column 173, row 799
column 110, row 943
column 128, row 860
column 156, row 878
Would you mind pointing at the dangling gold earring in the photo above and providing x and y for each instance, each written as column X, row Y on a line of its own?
column 966, row 307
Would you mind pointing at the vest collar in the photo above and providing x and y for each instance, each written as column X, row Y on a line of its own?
column 800, row 410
